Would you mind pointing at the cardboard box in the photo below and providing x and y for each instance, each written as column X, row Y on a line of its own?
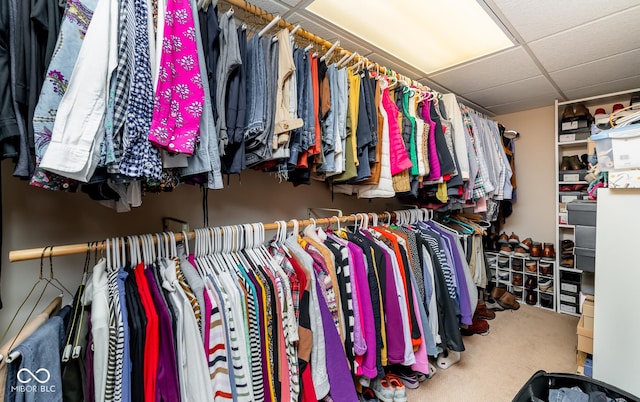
column 588, row 306
column 585, row 337
column 629, row 178
column 587, row 313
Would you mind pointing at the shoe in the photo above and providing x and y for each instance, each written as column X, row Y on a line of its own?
column 526, row 243
column 580, row 112
column 601, row 119
column 548, row 253
column 536, row 251
column 506, row 250
column 532, row 298
column 498, row 291
column 483, row 312
column 575, row 163
column 567, row 245
column 503, row 238
column 492, row 304
column 565, row 164
column 508, row 301
column 503, row 276
column 517, row 280
column 566, row 254
column 367, row 395
column 517, row 265
column 520, row 252
column 545, row 284
column 567, row 262
column 517, row 292
column 400, row 391
column 584, row 158
column 545, row 268
column 567, row 113
column 546, row 300
column 503, row 262
column 530, row 283
column 383, row 389
column 532, row 266
column 478, row 326
column 514, row 239
column 408, row 377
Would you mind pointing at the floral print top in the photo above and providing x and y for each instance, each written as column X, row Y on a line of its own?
column 179, row 96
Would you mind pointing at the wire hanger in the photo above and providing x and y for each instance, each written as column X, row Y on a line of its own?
column 14, row 355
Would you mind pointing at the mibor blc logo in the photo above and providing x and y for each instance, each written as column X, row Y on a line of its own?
column 33, row 381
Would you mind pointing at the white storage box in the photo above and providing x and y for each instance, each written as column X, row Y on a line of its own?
column 618, row 148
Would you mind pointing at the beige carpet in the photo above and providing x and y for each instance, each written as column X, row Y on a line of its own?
column 494, row 367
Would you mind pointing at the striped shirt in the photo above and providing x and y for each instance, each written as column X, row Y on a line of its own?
column 217, row 352
column 195, row 306
column 115, row 358
column 243, row 388
column 254, row 334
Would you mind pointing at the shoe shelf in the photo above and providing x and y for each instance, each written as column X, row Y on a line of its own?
column 513, row 273
column 570, row 151
column 572, row 143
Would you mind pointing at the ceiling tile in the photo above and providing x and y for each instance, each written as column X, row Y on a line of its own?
column 271, row 6
column 329, row 32
column 291, row 3
column 396, row 65
column 605, row 88
column 523, row 104
column 501, row 68
column 608, row 69
column 537, row 19
column 589, row 42
column 530, row 88
column 434, row 85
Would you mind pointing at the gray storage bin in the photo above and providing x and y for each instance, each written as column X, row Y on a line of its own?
column 585, row 236
column 585, row 258
column 582, row 212
column 569, row 196
column 573, row 175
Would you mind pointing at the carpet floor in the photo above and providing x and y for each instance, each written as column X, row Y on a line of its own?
column 494, row 367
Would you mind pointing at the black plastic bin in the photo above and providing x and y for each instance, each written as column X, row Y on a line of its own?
column 538, row 386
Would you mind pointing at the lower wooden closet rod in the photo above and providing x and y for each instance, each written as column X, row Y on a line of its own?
column 81, row 248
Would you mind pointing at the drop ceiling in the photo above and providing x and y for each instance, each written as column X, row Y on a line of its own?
column 561, row 50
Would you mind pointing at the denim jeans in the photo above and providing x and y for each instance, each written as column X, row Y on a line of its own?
column 36, row 375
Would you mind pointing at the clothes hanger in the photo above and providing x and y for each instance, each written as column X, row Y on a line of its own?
column 69, row 349
column 331, row 49
column 15, row 354
column 270, row 25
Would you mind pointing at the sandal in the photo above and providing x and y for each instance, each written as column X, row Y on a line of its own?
column 400, row 392
column 383, row 389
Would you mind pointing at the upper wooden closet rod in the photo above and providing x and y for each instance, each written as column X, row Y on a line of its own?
column 325, row 44
column 82, row 248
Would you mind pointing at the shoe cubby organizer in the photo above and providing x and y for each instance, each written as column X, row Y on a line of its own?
column 530, row 280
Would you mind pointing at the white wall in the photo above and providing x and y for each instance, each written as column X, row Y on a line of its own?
column 34, row 217
column 534, row 212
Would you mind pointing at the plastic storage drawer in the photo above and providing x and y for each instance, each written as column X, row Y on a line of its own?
column 582, row 213
column 585, row 258
column 585, row 236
